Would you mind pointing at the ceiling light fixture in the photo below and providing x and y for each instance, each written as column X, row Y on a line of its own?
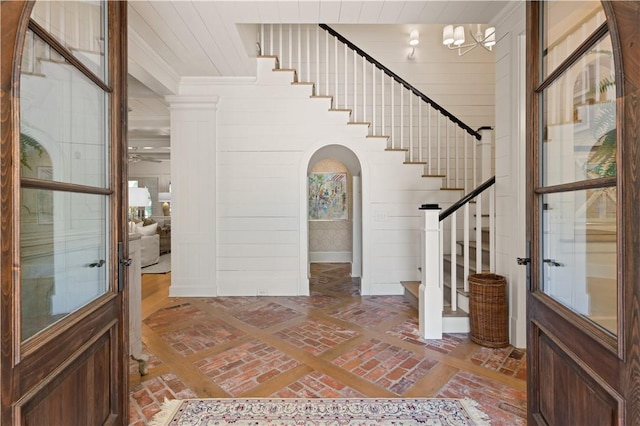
column 454, row 38
column 414, row 40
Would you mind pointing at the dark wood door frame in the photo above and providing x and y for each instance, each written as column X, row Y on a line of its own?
column 613, row 365
column 95, row 334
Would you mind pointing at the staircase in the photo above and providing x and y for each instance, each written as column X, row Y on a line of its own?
column 409, row 123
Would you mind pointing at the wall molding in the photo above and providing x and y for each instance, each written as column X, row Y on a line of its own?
column 330, row 257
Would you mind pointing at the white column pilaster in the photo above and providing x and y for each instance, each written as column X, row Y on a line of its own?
column 193, row 198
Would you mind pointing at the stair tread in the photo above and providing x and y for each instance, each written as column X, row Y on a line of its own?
column 447, row 312
column 303, row 83
column 486, row 246
column 321, row 97
column 415, row 162
column 340, row 110
column 360, row 122
column 472, row 262
column 451, row 189
column 435, row 176
column 397, row 149
column 378, row 136
column 413, row 287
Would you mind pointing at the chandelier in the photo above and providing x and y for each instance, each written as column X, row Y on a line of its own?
column 454, row 38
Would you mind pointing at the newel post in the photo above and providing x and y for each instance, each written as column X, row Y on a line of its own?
column 430, row 299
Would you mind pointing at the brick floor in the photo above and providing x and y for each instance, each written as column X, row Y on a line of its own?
column 316, row 336
column 152, row 362
column 510, row 361
column 365, row 315
column 244, row 367
column 201, row 336
column 351, row 343
column 399, row 303
column 409, row 331
column 503, row 404
column 174, row 314
column 146, row 398
column 227, row 303
column 317, row 385
column 318, row 301
column 388, row 366
column 267, row 315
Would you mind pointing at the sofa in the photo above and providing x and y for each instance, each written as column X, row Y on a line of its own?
column 149, row 243
column 164, row 230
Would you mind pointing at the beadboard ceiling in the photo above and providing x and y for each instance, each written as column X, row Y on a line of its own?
column 172, row 39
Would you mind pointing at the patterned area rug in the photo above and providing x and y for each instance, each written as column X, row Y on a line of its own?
column 320, row 412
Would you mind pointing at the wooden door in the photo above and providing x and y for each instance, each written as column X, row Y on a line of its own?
column 63, row 320
column 583, row 304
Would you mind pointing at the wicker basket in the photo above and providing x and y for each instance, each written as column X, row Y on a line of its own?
column 488, row 311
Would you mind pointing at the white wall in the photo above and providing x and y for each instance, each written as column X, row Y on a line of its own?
column 510, row 165
column 265, row 133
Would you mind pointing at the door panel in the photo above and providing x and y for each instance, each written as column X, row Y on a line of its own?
column 590, row 404
column 89, row 373
column 63, row 315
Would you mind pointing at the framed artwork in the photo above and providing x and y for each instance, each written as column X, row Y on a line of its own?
column 328, row 196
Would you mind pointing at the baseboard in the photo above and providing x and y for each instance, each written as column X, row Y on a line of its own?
column 330, row 257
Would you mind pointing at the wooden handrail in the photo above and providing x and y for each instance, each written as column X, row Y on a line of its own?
column 400, row 80
column 471, row 195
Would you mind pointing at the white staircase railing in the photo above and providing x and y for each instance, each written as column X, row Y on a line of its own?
column 451, row 220
column 429, row 134
column 434, row 245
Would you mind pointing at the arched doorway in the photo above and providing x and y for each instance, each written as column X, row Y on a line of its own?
column 334, row 214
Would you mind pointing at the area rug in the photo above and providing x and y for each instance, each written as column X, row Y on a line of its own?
column 320, row 412
column 162, row 267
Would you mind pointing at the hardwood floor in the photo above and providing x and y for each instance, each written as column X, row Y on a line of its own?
column 334, row 343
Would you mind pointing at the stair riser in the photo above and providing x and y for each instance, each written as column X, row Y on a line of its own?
column 472, row 252
column 460, row 267
column 461, row 297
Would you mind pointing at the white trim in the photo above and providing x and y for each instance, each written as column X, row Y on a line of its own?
column 192, row 102
column 330, row 257
column 208, row 81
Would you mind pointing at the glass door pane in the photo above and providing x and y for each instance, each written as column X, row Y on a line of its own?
column 579, row 253
column 64, row 255
column 577, row 196
column 566, row 25
column 64, row 154
column 579, row 120
column 63, row 121
column 80, row 26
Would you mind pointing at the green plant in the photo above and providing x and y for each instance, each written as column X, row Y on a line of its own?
column 601, row 162
column 27, row 144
